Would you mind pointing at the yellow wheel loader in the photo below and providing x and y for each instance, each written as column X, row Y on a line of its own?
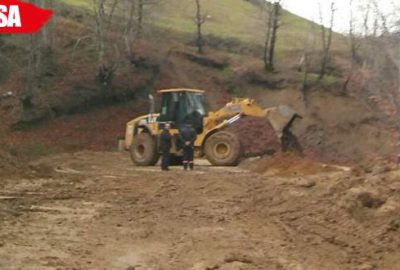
column 182, row 106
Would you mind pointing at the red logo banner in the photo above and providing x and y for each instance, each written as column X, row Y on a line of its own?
column 17, row 17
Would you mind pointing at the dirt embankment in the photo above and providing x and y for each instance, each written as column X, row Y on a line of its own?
column 335, row 128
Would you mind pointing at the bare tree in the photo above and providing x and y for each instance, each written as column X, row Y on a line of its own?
column 366, row 19
column 108, row 51
column 38, row 63
column 128, row 33
column 380, row 16
column 274, row 11
column 103, row 21
column 380, row 72
column 143, row 11
column 326, row 38
column 354, row 46
column 99, row 9
column 200, row 20
column 48, row 31
column 140, row 18
column 113, row 7
column 268, row 35
column 303, row 66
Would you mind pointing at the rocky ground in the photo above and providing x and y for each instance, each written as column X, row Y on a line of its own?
column 94, row 210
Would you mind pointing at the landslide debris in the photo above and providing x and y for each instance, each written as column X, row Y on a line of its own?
column 256, row 135
column 287, row 164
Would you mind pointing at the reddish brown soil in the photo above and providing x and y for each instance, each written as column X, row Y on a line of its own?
column 290, row 164
column 95, row 130
column 256, row 135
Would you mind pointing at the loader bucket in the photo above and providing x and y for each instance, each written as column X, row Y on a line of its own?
column 281, row 118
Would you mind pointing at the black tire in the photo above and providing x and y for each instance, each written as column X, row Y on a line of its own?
column 144, row 150
column 223, row 149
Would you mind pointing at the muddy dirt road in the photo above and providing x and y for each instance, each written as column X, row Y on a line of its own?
column 96, row 211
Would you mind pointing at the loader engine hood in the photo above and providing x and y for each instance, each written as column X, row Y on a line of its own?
column 141, row 122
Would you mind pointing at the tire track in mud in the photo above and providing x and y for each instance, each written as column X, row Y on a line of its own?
column 317, row 219
column 99, row 212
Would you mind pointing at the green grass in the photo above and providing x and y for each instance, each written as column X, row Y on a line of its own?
column 231, row 19
column 328, row 81
column 79, row 3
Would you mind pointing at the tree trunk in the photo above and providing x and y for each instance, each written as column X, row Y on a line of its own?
column 326, row 43
column 100, row 16
column 275, row 26
column 199, row 23
column 128, row 29
column 268, row 36
column 140, row 18
column 304, row 87
column 272, row 32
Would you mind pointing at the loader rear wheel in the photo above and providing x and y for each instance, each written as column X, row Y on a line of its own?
column 144, row 150
column 223, row 149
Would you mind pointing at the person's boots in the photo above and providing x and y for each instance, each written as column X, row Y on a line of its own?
column 191, row 166
column 185, row 166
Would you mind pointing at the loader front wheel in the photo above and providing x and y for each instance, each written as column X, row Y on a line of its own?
column 223, row 149
column 144, row 150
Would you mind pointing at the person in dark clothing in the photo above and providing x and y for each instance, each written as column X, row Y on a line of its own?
column 188, row 136
column 196, row 119
column 165, row 146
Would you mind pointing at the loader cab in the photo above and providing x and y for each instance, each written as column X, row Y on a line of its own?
column 181, row 106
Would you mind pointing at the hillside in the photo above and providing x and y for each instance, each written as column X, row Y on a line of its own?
column 243, row 20
column 71, row 108
column 69, row 199
column 235, row 35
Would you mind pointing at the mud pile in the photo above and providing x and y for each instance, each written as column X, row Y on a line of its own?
column 288, row 164
column 256, row 135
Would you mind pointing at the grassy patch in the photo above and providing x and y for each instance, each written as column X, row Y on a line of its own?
column 328, row 82
column 79, row 3
column 237, row 19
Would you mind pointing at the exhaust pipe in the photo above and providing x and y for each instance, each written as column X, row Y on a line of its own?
column 152, row 105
